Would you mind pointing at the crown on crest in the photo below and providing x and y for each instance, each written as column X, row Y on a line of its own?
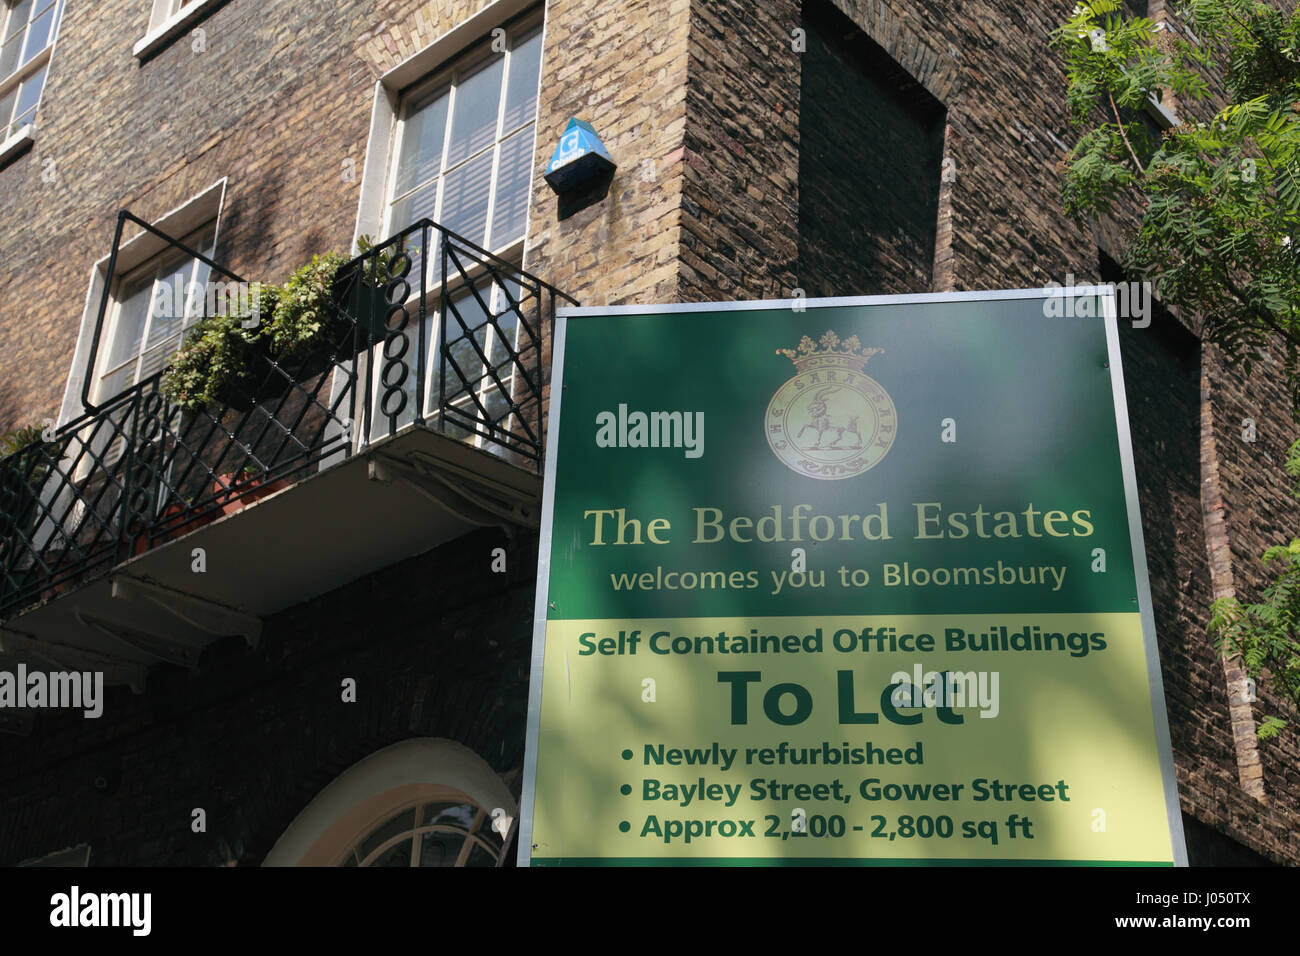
column 848, row 353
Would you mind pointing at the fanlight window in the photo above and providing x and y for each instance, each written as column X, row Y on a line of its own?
column 452, row 832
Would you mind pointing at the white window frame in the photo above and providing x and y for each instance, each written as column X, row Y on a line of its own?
column 376, row 787
column 16, row 141
column 473, row 834
column 451, row 77
column 168, row 19
column 205, row 206
column 149, row 270
column 420, row 73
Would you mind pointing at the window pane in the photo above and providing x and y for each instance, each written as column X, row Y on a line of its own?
column 39, row 34
column 130, row 324
column 6, row 111
column 512, row 188
column 449, row 814
column 480, row 857
column 521, row 89
column 422, row 204
column 422, row 136
column 116, row 383
column 29, row 97
column 474, row 124
column 154, row 306
column 167, row 307
column 507, row 323
column 440, row 848
column 399, row 854
column 463, row 312
column 504, row 339
column 158, row 357
column 9, row 54
column 465, row 202
column 380, row 423
column 198, row 301
column 18, row 18
column 404, row 820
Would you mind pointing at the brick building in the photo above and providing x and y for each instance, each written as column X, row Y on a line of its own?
column 312, row 603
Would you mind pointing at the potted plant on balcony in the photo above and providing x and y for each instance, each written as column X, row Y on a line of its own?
column 301, row 325
column 361, row 290
column 179, row 508
column 237, row 489
column 215, row 366
column 307, row 328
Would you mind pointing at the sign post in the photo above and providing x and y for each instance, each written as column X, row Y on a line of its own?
column 845, row 581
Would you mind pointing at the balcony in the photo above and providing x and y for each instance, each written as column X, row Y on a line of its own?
column 141, row 531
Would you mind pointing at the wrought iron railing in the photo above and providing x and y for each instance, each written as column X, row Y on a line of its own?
column 424, row 329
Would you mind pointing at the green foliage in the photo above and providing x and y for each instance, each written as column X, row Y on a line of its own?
column 16, row 439
column 383, row 271
column 216, row 355
column 27, row 457
column 1219, row 198
column 292, row 319
column 1265, row 634
column 303, row 318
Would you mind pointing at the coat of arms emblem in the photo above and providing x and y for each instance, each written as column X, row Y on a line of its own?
column 830, row 421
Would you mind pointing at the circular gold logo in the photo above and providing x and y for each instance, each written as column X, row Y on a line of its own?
column 831, row 420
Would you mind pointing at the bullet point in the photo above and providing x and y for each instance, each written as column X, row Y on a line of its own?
column 627, row 755
column 625, row 789
column 625, row 826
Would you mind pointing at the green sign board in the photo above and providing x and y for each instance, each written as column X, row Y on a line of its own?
column 845, row 581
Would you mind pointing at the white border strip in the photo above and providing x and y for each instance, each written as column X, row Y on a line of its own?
column 1159, row 711
column 543, row 596
column 788, row 304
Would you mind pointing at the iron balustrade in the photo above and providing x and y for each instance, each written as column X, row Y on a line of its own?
column 135, row 470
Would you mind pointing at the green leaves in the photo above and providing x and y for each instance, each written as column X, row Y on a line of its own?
column 216, row 354
column 1265, row 635
column 303, row 318
column 1219, row 198
column 220, row 352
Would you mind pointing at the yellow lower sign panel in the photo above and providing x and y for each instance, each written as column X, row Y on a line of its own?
column 874, row 739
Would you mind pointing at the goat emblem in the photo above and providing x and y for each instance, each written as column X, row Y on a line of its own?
column 821, row 422
column 830, row 421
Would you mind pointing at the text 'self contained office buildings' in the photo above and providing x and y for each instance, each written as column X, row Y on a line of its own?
column 349, row 513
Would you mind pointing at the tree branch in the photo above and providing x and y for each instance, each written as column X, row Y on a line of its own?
column 1123, row 135
column 1264, row 315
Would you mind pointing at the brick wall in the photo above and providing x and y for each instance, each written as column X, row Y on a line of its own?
column 870, row 148
column 740, row 203
column 254, row 735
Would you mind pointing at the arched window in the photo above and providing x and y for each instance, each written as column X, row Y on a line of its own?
column 454, row 831
column 422, row 802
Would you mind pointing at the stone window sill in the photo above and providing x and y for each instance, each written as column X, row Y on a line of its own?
column 171, row 28
column 17, row 143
